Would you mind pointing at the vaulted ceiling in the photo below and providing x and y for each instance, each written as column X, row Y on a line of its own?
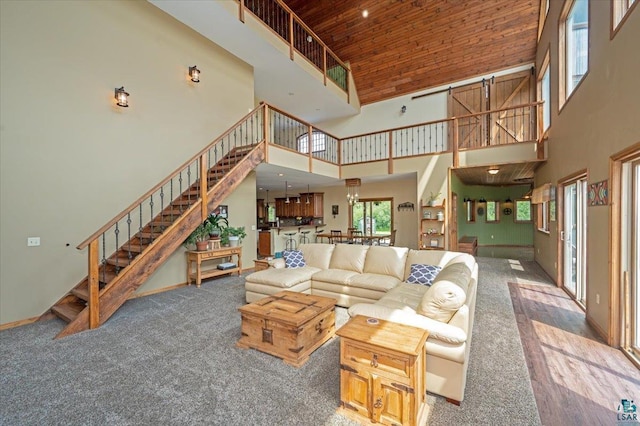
column 405, row 46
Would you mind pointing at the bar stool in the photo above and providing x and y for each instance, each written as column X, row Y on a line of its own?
column 319, row 231
column 303, row 237
column 290, row 242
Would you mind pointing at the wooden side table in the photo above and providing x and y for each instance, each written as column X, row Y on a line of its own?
column 382, row 372
column 197, row 257
column 261, row 264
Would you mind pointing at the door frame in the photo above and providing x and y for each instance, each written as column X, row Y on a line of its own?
column 580, row 174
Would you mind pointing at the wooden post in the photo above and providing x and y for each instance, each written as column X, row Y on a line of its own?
column 92, row 283
column 340, row 158
column 324, row 63
column 456, row 160
column 241, row 11
column 265, row 131
column 539, row 140
column 291, row 36
column 310, row 146
column 390, row 161
column 204, row 186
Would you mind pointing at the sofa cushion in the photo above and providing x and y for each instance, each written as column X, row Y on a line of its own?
column 317, row 255
column 282, row 277
column 441, row 301
column 423, row 274
column 386, row 261
column 456, row 273
column 334, row 276
column 374, row 281
column 428, row 257
column 349, row 257
column 293, row 259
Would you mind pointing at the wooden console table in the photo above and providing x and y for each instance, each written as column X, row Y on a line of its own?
column 198, row 257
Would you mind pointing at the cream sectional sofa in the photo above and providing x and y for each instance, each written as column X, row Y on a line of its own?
column 372, row 281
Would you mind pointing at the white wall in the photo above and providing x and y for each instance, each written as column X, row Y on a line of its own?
column 70, row 159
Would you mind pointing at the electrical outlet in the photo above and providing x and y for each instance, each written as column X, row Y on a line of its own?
column 33, row 241
column 253, row 227
column 597, row 299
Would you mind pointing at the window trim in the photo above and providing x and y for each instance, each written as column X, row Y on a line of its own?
column 542, row 19
column 563, row 99
column 616, row 27
column 542, row 217
column 545, row 67
column 313, row 133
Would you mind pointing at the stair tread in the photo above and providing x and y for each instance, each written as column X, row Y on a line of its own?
column 68, row 311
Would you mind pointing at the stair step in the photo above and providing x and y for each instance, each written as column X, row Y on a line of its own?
column 185, row 202
column 68, row 311
column 133, row 248
column 119, row 261
column 146, row 235
column 172, row 212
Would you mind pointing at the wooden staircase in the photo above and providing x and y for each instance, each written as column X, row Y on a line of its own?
column 117, row 276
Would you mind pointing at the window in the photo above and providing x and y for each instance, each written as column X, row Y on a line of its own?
column 542, row 216
column 492, row 211
column 574, row 46
column 317, row 145
column 621, row 9
column 544, row 93
column 373, row 216
column 544, row 11
column 523, row 211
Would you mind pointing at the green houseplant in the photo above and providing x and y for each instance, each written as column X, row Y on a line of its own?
column 233, row 236
column 200, row 236
column 218, row 224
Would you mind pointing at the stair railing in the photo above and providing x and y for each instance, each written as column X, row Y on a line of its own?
column 141, row 224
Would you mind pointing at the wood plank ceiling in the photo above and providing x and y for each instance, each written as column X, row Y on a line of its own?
column 406, row 46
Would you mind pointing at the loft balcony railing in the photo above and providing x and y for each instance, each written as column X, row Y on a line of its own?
column 516, row 124
column 289, row 27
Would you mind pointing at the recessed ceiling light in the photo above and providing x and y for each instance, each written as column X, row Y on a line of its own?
column 280, row 174
column 365, row 13
column 493, row 171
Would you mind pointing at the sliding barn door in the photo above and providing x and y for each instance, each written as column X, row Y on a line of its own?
column 478, row 127
column 515, row 124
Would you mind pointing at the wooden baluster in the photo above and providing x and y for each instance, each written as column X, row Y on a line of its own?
column 204, row 186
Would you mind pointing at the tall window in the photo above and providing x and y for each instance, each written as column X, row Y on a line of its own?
column 574, row 45
column 620, row 10
column 318, row 142
column 523, row 211
column 544, row 92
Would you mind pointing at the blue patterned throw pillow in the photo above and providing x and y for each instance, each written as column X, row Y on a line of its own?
column 293, row 259
column 423, row 274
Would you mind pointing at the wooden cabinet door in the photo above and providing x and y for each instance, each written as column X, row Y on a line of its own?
column 260, row 208
column 391, row 405
column 355, row 391
column 280, row 207
column 318, row 205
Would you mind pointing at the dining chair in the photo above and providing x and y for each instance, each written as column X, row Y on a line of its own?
column 336, row 236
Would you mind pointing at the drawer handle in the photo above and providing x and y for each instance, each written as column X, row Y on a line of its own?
column 378, row 403
column 374, row 361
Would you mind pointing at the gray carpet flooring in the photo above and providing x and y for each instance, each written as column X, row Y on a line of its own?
column 170, row 358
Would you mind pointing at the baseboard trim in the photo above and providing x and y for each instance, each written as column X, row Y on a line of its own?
column 596, row 327
column 19, row 323
column 158, row 290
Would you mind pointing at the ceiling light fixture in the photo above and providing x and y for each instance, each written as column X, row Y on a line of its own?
column 365, row 13
column 352, row 190
column 286, row 194
column 194, row 73
column 493, row 171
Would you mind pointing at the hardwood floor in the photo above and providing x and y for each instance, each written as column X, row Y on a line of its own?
column 576, row 378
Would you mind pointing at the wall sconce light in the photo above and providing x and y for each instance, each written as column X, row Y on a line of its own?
column 482, row 200
column 122, row 97
column 194, row 73
column 508, row 200
column 403, row 109
column 465, row 200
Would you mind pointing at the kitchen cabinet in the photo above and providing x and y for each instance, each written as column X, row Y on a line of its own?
column 260, row 208
column 315, row 208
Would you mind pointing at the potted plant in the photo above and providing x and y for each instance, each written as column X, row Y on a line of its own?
column 218, row 224
column 432, row 199
column 200, row 236
column 233, row 236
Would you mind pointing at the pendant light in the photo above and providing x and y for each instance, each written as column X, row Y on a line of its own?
column 286, row 193
column 308, row 202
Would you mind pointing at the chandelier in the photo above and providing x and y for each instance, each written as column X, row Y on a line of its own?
column 352, row 190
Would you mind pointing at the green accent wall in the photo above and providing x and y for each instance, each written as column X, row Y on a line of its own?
column 505, row 232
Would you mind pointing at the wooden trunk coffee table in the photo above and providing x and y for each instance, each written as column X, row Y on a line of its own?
column 288, row 325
